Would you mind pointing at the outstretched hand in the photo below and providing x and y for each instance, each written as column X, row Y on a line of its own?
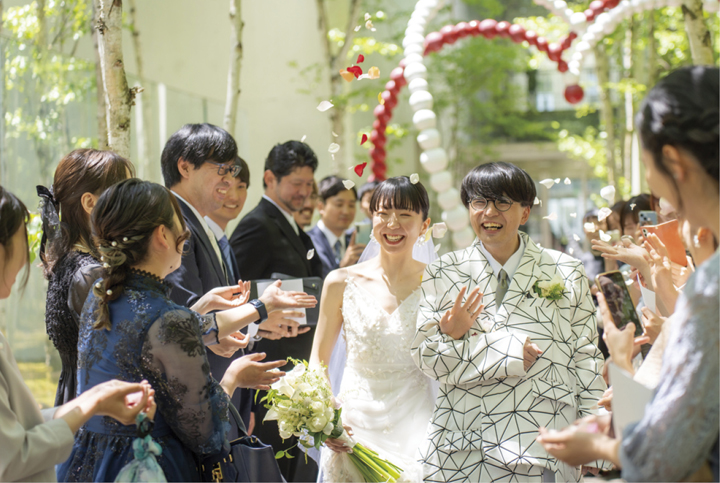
column 276, row 299
column 460, row 318
column 223, row 298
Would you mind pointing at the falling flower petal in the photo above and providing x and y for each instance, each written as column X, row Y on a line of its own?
column 348, row 184
column 348, row 76
column 380, row 99
column 333, row 148
column 605, row 237
column 364, row 76
column 360, row 59
column 632, row 206
column 367, row 16
column 604, row 213
column 548, row 183
column 324, row 106
column 589, row 227
column 567, row 181
column 571, row 251
column 364, row 138
column 608, row 193
column 359, row 169
column 551, row 217
column 537, row 201
column 310, row 254
column 334, row 135
column 374, row 72
column 414, row 178
column 665, row 207
column 302, row 139
column 437, row 248
column 439, row 230
column 357, row 29
column 369, row 25
column 356, row 70
column 576, row 237
column 573, row 215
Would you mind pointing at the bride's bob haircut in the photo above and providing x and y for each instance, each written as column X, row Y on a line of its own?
column 399, row 193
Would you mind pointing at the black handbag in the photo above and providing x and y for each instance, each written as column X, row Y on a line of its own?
column 249, row 459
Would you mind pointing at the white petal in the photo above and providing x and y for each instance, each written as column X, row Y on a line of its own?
column 437, row 248
column 357, row 29
column 551, row 216
column 570, row 250
column 439, row 230
column 604, row 213
column 557, row 180
column 567, row 181
column 576, row 237
column 348, row 184
column 324, row 106
column 367, row 16
column 548, row 183
column 608, row 193
column 334, row 135
column 604, row 237
column 310, row 254
column 414, row 178
column 589, row 227
column 302, row 139
column 537, row 201
column 333, row 148
column 632, row 206
column 573, row 215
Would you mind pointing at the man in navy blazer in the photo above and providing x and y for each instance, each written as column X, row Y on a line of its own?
column 334, row 241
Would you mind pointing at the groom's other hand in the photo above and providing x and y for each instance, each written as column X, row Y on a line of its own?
column 458, row 320
column 532, row 352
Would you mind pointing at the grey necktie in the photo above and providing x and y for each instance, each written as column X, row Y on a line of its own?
column 503, row 283
column 337, row 248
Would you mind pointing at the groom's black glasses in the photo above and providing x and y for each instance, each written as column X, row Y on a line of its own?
column 223, row 169
column 501, row 204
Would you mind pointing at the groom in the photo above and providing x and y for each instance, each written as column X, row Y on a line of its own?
column 529, row 359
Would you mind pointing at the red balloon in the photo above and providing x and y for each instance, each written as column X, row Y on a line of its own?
column 473, row 27
column 542, row 44
column 449, row 34
column 487, row 28
column 433, row 42
column 574, row 94
column 611, row 3
column 597, row 6
column 378, row 139
column 562, row 66
column 379, row 170
column 502, row 29
column 589, row 15
column 461, row 30
column 531, row 36
column 390, row 100
column 390, row 86
column 572, row 36
column 379, row 126
column 554, row 51
column 517, row 33
column 382, row 113
column 397, row 75
column 378, row 155
column 402, row 63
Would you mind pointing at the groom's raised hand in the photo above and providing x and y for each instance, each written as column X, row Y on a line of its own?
column 459, row 319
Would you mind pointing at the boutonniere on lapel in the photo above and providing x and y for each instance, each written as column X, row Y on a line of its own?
column 550, row 289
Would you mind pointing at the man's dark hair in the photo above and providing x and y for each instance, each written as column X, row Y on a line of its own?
column 399, row 193
column 495, row 180
column 286, row 157
column 244, row 174
column 368, row 187
column 331, row 185
column 196, row 143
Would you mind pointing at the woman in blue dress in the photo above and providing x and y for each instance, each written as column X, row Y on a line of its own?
column 131, row 330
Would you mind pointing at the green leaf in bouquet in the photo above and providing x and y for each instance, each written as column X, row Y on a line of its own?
column 279, row 455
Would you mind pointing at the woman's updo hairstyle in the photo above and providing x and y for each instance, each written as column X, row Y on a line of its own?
column 399, row 193
column 13, row 216
column 124, row 218
column 682, row 111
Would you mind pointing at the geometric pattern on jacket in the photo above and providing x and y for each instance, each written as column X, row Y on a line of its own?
column 489, row 409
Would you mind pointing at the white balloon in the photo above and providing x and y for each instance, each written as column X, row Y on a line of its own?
column 424, row 119
column 456, row 219
column 637, row 6
column 590, row 38
column 578, row 18
column 434, row 160
column 560, row 5
column 413, row 49
column 415, row 70
column 429, row 4
column 412, row 58
column 441, row 181
column 449, row 199
column 413, row 38
column 594, row 29
column 568, row 13
column 602, row 18
column 711, row 6
column 421, row 100
column 417, row 21
column 429, row 139
column 421, row 12
column 577, row 56
column 463, row 238
column 583, row 45
column 574, row 66
column 609, row 27
column 417, row 84
column 415, row 28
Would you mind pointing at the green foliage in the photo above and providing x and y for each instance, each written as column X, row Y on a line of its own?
column 34, row 229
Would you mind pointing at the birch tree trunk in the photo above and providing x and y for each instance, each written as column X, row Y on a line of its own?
column 2, row 102
column 233, row 86
column 100, row 91
column 118, row 97
column 698, row 33
column 606, row 108
column 143, row 137
column 629, row 116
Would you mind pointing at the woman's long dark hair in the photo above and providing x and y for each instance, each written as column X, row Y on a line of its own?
column 81, row 171
column 124, row 219
column 13, row 217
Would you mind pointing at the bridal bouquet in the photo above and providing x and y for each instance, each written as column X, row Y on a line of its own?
column 302, row 404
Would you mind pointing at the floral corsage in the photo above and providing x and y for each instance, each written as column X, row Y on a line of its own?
column 550, row 289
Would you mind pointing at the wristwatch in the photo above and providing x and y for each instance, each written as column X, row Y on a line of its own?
column 260, row 307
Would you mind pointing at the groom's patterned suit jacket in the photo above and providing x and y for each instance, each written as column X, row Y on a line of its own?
column 489, row 409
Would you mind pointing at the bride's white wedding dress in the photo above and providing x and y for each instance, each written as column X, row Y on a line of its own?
column 386, row 400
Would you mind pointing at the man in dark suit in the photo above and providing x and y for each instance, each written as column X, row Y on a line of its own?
column 333, row 242
column 269, row 241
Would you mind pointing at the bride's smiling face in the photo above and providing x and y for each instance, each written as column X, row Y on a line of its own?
column 397, row 230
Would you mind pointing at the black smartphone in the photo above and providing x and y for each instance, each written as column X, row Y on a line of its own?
column 647, row 218
column 612, row 284
column 362, row 230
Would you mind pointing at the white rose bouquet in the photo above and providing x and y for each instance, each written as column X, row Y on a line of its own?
column 303, row 405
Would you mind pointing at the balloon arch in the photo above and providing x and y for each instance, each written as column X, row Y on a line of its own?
column 601, row 18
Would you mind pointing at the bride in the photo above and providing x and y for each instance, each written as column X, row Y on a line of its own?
column 387, row 402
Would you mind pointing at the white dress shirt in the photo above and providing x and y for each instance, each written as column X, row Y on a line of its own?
column 332, row 238
column 288, row 216
column 512, row 263
column 210, row 234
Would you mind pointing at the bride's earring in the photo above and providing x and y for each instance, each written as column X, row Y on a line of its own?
column 422, row 239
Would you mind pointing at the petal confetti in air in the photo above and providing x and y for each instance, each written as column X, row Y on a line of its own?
column 324, row 106
column 334, row 134
column 537, row 201
column 357, row 29
column 360, row 59
column 414, row 178
column 604, row 213
column 567, row 181
column 437, row 248
column 571, row 251
column 364, row 139
column 589, row 227
column 348, row 184
column 302, row 139
column 333, row 148
column 632, row 206
column 608, row 193
column 439, row 230
column 573, row 215
column 551, row 217
column 348, row 76
column 380, row 98
column 557, row 180
column 548, row 183
column 356, row 70
column 367, row 16
column 369, row 25
column 373, row 72
column 359, row 169
column 576, row 237
column 310, row 254
column 604, row 236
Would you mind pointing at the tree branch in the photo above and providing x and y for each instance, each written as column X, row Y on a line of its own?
column 233, row 86
column 353, row 17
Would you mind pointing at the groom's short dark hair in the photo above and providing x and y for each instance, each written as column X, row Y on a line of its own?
column 494, row 180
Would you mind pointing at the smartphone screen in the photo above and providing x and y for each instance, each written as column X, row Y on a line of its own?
column 613, row 287
column 362, row 230
column 647, row 218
